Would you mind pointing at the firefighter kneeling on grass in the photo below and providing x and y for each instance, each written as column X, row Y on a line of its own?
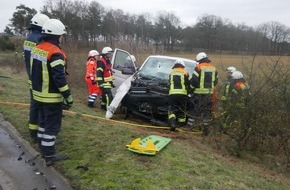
column 105, row 77
column 49, row 87
column 177, row 102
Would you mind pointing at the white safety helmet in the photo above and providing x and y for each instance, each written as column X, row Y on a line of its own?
column 54, row 27
column 231, row 69
column 131, row 57
column 107, row 50
column 237, row 75
column 93, row 53
column 39, row 19
column 200, row 56
column 180, row 62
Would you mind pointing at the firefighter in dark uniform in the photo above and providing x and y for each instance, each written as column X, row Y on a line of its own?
column 49, row 87
column 230, row 71
column 178, row 91
column 105, row 77
column 32, row 39
column 203, row 82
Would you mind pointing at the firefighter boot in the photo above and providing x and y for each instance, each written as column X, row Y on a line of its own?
column 50, row 160
column 172, row 123
column 91, row 104
column 33, row 135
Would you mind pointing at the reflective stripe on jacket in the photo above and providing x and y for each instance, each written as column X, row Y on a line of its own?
column 48, row 73
column 91, row 69
column 179, row 82
column 31, row 41
column 104, row 73
column 204, row 79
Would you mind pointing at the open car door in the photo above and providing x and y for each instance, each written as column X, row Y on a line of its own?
column 123, row 67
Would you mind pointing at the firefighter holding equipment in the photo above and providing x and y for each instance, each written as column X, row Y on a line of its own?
column 50, row 88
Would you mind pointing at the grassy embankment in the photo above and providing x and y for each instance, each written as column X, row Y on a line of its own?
column 100, row 160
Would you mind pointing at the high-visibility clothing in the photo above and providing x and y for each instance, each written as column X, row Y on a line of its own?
column 48, row 73
column 105, row 81
column 177, row 100
column 104, row 73
column 179, row 82
column 91, row 69
column 30, row 42
column 204, row 79
column 90, row 78
column 203, row 82
column 226, row 91
column 239, row 93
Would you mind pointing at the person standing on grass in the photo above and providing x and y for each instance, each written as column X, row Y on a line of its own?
column 178, row 91
column 105, row 77
column 203, row 82
column 237, row 101
column 50, row 88
column 91, row 71
column 30, row 42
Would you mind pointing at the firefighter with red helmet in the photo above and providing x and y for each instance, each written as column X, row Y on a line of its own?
column 105, row 77
column 91, row 71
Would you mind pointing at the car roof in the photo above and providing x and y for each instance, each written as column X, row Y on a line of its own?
column 172, row 57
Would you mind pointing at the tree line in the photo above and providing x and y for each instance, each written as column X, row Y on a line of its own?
column 89, row 23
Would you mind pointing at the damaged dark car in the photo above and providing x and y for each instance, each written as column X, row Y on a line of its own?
column 147, row 97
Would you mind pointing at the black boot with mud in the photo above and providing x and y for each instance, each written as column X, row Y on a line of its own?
column 50, row 160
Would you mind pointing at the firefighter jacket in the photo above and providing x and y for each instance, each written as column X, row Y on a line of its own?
column 104, row 73
column 179, row 81
column 226, row 91
column 91, row 69
column 204, row 79
column 239, row 93
column 31, row 41
column 48, row 73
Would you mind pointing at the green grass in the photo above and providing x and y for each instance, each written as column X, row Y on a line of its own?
column 99, row 158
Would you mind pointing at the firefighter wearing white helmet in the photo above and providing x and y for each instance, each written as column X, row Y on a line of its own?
column 178, row 91
column 203, row 84
column 239, row 86
column 237, row 75
column 30, row 42
column 50, row 88
column 201, row 56
column 229, row 71
column 91, row 78
column 105, row 77
column 237, row 101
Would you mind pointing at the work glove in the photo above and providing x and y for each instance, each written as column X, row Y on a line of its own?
column 68, row 102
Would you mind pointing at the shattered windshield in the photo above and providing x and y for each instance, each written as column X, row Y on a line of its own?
column 158, row 67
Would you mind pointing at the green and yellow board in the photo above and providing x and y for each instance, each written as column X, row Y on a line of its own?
column 150, row 145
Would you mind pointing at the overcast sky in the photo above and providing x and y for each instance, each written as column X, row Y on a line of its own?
column 249, row 12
